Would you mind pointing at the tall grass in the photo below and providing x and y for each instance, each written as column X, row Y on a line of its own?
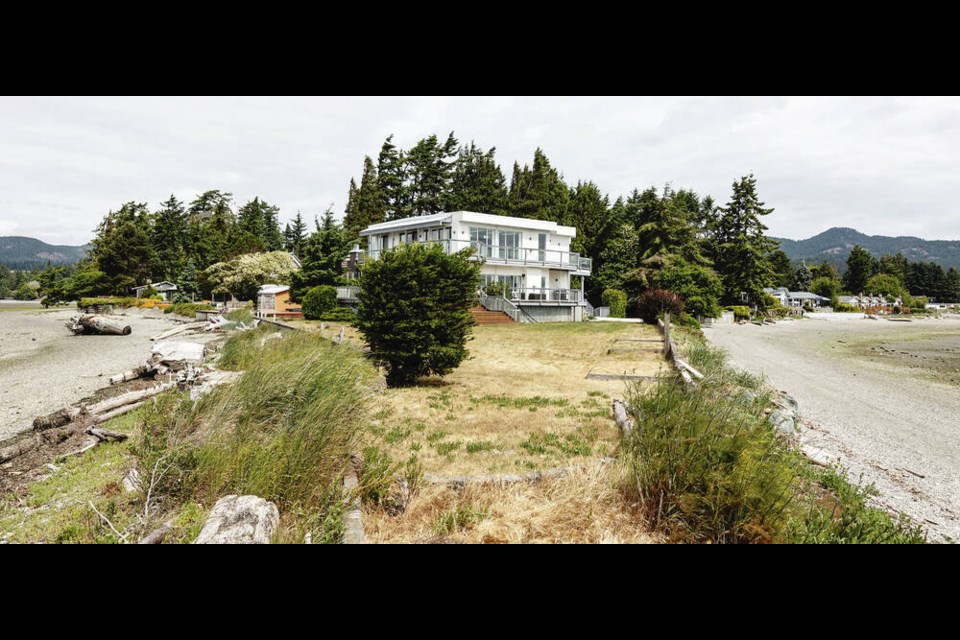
column 707, row 467
column 284, row 431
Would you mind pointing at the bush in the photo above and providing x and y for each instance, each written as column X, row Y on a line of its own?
column 318, row 301
column 341, row 314
column 414, row 310
column 842, row 307
column 653, row 303
column 740, row 313
column 616, row 300
column 699, row 286
column 118, row 303
column 188, row 309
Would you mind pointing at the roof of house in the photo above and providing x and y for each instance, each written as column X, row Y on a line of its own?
column 159, row 286
column 419, row 222
column 804, row 295
column 272, row 289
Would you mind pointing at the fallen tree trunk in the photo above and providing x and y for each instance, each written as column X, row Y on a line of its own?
column 178, row 330
column 157, row 536
column 106, row 417
column 133, row 374
column 24, row 446
column 128, row 398
column 56, row 419
column 103, row 435
column 103, row 326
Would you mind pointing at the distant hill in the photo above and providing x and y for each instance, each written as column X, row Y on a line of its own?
column 834, row 245
column 18, row 252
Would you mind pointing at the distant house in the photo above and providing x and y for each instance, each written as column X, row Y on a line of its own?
column 274, row 300
column 167, row 290
column 797, row 298
column 527, row 264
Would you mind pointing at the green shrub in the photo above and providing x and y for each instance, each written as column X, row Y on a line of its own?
column 413, row 310
column 188, row 309
column 842, row 307
column 340, row 314
column 653, row 303
column 616, row 300
column 740, row 313
column 318, row 301
column 117, row 303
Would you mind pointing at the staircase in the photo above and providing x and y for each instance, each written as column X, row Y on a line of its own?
column 483, row 316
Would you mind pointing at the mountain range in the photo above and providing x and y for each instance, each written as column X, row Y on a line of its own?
column 834, row 245
column 18, row 252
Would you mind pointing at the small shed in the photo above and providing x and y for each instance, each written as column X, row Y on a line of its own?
column 274, row 299
column 167, row 290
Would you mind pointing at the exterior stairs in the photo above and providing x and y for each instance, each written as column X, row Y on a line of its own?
column 485, row 316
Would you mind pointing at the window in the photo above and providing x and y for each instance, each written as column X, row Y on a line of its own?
column 509, row 245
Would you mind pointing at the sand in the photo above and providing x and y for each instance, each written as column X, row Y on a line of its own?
column 43, row 367
column 882, row 397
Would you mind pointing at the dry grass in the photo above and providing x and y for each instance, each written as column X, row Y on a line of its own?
column 582, row 508
column 521, row 401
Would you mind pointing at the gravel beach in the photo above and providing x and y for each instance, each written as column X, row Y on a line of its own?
column 883, row 397
column 43, row 367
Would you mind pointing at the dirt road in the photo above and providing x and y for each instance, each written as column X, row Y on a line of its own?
column 882, row 396
column 43, row 367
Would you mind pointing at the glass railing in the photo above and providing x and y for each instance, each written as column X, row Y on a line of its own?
column 513, row 255
column 537, row 295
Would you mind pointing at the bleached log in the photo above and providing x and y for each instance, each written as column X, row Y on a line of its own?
column 100, row 325
column 178, row 330
column 622, row 418
column 133, row 374
column 106, row 417
column 696, row 374
column 128, row 398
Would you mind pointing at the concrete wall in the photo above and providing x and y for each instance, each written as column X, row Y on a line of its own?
column 554, row 314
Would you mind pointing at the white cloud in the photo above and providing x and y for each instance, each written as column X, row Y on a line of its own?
column 883, row 165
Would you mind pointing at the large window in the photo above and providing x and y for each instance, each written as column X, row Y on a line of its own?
column 496, row 243
column 509, row 245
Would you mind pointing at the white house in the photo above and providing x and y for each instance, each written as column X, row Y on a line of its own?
column 167, row 290
column 797, row 298
column 530, row 258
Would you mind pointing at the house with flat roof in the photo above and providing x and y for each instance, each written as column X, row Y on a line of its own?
column 797, row 298
column 529, row 261
column 167, row 290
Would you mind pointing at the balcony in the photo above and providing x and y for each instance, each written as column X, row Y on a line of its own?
column 540, row 297
column 494, row 254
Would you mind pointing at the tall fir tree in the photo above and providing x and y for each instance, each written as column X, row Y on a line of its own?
column 477, row 183
column 743, row 248
column 429, row 168
column 391, row 181
column 860, row 268
column 259, row 220
column 589, row 212
column 169, row 237
column 366, row 205
column 295, row 235
column 538, row 192
column 323, row 256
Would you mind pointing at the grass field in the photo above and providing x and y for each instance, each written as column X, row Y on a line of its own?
column 521, row 402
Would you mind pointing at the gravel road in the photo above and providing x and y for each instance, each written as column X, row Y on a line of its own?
column 43, row 367
column 887, row 413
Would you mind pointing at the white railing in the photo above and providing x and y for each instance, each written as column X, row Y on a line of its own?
column 546, row 296
column 497, row 254
column 347, row 293
column 499, row 303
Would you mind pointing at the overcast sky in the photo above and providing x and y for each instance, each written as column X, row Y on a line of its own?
column 887, row 166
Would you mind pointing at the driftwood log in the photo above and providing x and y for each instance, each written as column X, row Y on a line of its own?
column 622, row 418
column 133, row 374
column 157, row 536
column 97, row 325
column 193, row 326
column 57, row 419
column 128, row 398
column 104, row 435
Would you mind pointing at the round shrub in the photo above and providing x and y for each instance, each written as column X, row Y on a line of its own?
column 319, row 301
column 653, row 303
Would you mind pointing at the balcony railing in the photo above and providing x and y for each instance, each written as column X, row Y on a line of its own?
column 497, row 254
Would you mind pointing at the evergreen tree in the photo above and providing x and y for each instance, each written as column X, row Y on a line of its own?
column 538, row 192
column 894, row 265
column 589, row 212
column 429, row 168
column 951, row 291
column 414, row 310
column 187, row 282
column 351, row 213
column 391, row 182
column 258, row 223
column 322, row 259
column 211, row 222
column 368, row 201
column 126, row 257
column 169, row 235
column 825, row 270
column 860, row 268
column 743, row 249
column 477, row 183
column 782, row 269
column 295, row 235
column 802, row 278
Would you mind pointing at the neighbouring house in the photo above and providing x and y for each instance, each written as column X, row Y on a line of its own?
column 797, row 298
column 528, row 260
column 274, row 300
column 167, row 290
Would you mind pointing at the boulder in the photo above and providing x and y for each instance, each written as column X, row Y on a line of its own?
column 240, row 520
column 783, row 421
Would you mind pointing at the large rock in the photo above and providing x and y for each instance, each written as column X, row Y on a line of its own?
column 783, row 421
column 240, row 520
